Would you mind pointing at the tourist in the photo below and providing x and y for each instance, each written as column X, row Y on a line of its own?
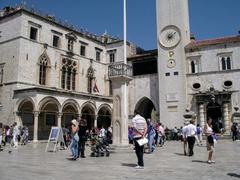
column 151, row 135
column 199, row 135
column 184, row 137
column 161, row 134
column 210, row 141
column 1, row 134
column 139, row 131
column 82, row 133
column 191, row 132
column 234, row 130
column 75, row 139
column 130, row 135
column 174, row 134
column 15, row 135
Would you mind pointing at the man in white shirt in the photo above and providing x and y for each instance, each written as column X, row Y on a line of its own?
column 184, row 136
column 139, row 126
column 190, row 133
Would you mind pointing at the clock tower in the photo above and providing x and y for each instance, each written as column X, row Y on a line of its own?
column 173, row 35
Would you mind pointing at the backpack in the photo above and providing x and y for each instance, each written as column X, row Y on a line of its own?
column 198, row 130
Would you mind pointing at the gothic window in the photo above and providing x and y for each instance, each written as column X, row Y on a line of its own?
column 90, row 76
column 68, row 77
column 225, row 62
column 43, row 65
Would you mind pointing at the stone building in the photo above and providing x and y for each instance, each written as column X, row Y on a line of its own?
column 197, row 75
column 52, row 72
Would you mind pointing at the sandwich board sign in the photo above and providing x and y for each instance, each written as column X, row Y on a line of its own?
column 55, row 137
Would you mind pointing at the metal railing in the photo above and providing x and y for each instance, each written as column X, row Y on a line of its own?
column 119, row 69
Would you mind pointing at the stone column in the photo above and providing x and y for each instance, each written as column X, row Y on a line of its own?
column 78, row 117
column 95, row 121
column 124, row 115
column 35, row 130
column 59, row 115
column 226, row 119
column 201, row 115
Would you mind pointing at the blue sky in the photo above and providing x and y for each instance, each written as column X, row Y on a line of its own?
column 208, row 18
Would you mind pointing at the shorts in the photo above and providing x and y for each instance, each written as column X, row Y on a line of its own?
column 210, row 147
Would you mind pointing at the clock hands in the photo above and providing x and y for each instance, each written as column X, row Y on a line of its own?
column 170, row 36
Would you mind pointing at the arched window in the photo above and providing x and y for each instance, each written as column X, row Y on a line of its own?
column 228, row 62
column 69, row 71
column 193, row 67
column 43, row 65
column 90, row 76
column 223, row 63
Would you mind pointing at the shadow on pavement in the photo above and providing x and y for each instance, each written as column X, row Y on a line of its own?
column 129, row 164
column 180, row 154
column 234, row 175
column 200, row 161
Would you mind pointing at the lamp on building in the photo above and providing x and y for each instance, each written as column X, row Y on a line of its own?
column 1, row 106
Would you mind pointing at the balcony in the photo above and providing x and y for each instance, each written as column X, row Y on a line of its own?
column 120, row 71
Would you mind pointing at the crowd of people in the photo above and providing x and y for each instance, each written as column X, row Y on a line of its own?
column 156, row 135
column 78, row 136
column 13, row 135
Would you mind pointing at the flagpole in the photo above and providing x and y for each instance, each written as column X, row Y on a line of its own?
column 125, row 93
column 125, row 31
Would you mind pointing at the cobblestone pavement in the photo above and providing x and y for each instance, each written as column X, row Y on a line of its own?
column 166, row 163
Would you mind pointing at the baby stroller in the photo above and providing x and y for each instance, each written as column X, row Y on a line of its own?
column 99, row 146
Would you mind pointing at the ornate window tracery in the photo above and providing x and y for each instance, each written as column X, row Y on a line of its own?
column 90, row 76
column 68, row 77
column 43, row 65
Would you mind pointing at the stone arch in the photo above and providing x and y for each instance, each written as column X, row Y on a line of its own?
column 88, row 112
column 25, row 112
column 49, row 108
column 214, row 110
column 70, row 110
column 49, row 99
column 104, row 118
column 146, row 108
column 21, row 101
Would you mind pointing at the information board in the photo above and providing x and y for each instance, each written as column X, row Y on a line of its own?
column 56, row 137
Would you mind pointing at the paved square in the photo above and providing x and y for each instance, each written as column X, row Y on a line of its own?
column 167, row 163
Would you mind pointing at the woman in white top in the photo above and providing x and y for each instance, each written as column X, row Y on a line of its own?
column 210, row 142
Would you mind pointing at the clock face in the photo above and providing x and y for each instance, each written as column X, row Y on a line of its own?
column 169, row 37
